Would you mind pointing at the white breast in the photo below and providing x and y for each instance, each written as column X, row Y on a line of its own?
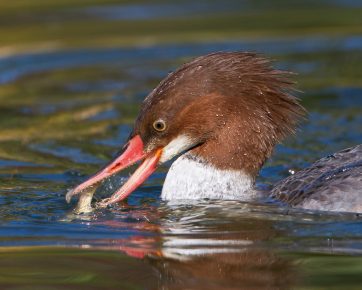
column 191, row 178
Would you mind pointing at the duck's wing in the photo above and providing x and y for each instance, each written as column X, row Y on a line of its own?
column 333, row 183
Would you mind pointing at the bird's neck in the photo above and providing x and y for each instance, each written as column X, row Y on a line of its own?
column 191, row 177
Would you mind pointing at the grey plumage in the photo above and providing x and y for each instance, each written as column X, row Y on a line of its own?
column 333, row 183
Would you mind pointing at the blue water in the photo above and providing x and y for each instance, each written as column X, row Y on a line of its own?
column 66, row 112
column 34, row 193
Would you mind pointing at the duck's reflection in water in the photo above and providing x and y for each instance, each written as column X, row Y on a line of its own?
column 209, row 247
column 248, row 269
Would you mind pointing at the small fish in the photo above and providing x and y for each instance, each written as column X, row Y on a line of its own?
column 85, row 199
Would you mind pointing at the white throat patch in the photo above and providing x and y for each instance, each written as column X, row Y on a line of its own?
column 190, row 178
column 175, row 147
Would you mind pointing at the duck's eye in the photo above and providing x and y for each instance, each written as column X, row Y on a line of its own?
column 159, row 125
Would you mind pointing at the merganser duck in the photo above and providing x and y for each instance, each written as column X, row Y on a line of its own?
column 221, row 115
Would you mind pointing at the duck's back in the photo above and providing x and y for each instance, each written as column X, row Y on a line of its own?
column 333, row 183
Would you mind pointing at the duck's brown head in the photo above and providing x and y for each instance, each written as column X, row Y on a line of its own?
column 228, row 108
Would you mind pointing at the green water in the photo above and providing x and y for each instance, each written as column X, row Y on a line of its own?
column 72, row 76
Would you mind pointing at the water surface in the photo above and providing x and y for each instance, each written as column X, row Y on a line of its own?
column 72, row 77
